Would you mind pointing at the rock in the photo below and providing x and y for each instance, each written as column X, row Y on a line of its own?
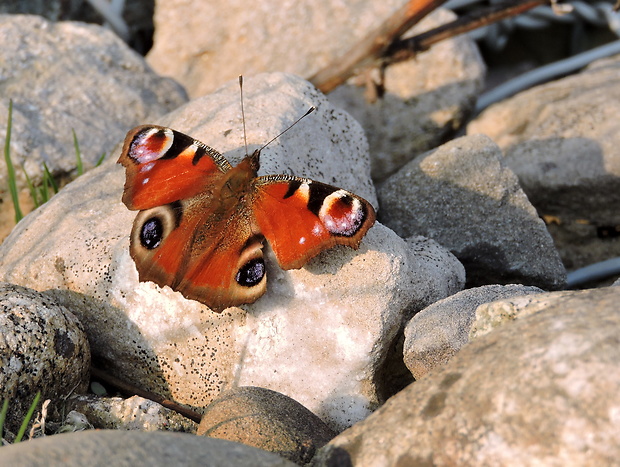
column 462, row 196
column 425, row 99
column 266, row 420
column 435, row 334
column 65, row 77
column 561, row 140
column 215, row 44
column 43, row 347
column 114, row 447
column 134, row 413
column 489, row 316
column 336, row 317
column 543, row 390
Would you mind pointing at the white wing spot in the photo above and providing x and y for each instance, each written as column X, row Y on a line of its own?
column 302, row 240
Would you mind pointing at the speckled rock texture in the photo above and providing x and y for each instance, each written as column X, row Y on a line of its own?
column 133, row 413
column 65, row 77
column 43, row 347
column 542, row 390
column 266, row 420
column 103, row 448
column 435, row 334
column 464, row 197
column 561, row 139
column 319, row 334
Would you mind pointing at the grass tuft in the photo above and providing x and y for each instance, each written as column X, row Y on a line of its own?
column 9, row 166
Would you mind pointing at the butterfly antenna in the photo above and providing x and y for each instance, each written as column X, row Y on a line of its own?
column 245, row 136
column 308, row 112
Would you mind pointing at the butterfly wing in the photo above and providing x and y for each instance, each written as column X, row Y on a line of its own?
column 163, row 165
column 191, row 233
column 191, row 247
column 300, row 217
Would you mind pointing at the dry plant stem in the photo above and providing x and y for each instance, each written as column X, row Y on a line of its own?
column 405, row 49
column 129, row 389
column 373, row 47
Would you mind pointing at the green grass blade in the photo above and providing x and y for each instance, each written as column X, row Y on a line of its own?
column 33, row 191
column 47, row 175
column 78, row 154
column 9, row 165
column 100, row 160
column 22, row 429
column 5, row 409
column 44, row 191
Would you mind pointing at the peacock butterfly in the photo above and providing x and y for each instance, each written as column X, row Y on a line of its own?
column 202, row 223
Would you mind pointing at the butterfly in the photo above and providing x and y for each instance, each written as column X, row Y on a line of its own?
column 203, row 223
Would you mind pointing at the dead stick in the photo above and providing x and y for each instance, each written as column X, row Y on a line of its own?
column 129, row 389
column 371, row 48
column 405, row 49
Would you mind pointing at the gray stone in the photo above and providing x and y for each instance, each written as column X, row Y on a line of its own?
column 43, row 347
column 561, row 139
column 425, row 99
column 543, row 390
column 71, row 76
column 133, row 413
column 102, row 448
column 435, row 334
column 266, row 420
column 335, row 317
column 462, row 196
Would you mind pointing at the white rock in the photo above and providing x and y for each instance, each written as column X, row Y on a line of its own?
column 543, row 390
column 317, row 335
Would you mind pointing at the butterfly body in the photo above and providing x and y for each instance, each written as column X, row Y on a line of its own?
column 202, row 223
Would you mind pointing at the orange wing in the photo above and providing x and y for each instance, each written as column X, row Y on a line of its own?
column 163, row 165
column 300, row 217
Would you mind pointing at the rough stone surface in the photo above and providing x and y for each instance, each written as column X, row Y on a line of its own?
column 561, row 139
column 425, row 99
column 543, row 390
column 462, row 196
column 43, row 347
column 102, row 448
column 266, row 420
column 318, row 335
column 71, row 76
column 134, row 413
column 489, row 316
column 435, row 334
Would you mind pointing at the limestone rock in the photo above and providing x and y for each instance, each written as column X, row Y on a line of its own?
column 465, row 198
column 266, row 420
column 103, row 448
column 561, row 139
column 435, row 334
column 318, row 335
column 543, row 390
column 43, row 347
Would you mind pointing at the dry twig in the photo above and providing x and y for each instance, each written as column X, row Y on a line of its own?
column 373, row 47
